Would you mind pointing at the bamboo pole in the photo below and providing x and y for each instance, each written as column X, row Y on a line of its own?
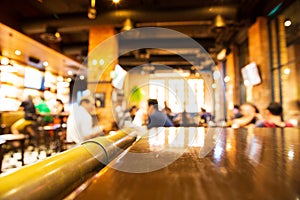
column 57, row 176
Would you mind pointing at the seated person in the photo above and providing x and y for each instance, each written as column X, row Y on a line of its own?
column 167, row 110
column 58, row 112
column 25, row 125
column 58, row 107
column 157, row 118
column 80, row 122
column 127, row 117
column 273, row 117
column 30, row 115
column 205, row 117
column 133, row 111
column 250, row 115
column 43, row 109
column 236, row 112
column 186, row 120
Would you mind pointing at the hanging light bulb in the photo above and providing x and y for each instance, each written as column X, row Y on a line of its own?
column 219, row 21
column 92, row 12
column 287, row 22
column 128, row 25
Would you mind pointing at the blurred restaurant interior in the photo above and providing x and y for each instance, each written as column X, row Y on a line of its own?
column 191, row 56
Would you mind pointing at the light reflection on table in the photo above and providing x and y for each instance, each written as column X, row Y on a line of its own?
column 259, row 163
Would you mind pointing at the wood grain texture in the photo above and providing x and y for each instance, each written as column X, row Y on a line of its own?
column 259, row 163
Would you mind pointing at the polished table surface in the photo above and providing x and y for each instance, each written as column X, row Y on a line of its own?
column 198, row 163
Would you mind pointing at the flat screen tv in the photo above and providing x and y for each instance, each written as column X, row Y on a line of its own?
column 33, row 78
column 251, row 75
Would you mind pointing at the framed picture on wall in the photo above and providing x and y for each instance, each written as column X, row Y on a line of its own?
column 100, row 100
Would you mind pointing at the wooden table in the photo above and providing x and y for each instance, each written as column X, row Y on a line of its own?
column 261, row 163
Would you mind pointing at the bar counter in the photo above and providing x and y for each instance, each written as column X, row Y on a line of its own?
column 198, row 163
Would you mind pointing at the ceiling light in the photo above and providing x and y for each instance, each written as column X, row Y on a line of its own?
column 57, row 35
column 4, row 61
column 94, row 62
column 70, row 72
column 101, row 61
column 287, row 22
column 81, row 77
column 51, row 35
column 219, row 21
column 18, row 52
column 221, row 55
column 128, row 25
column 287, row 71
column 93, row 3
column 45, row 63
column 226, row 79
column 92, row 12
column 116, row 1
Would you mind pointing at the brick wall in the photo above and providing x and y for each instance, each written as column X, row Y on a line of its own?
column 259, row 53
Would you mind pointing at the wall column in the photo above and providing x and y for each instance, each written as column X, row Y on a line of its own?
column 259, row 53
column 101, row 61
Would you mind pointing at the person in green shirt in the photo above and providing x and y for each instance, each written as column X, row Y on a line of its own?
column 43, row 109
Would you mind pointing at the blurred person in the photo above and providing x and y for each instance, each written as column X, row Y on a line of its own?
column 236, row 112
column 205, row 116
column 58, row 107
column 58, row 110
column 157, row 118
column 80, row 123
column 141, row 115
column 132, row 111
column 29, row 117
column 167, row 110
column 250, row 115
column 273, row 117
column 43, row 109
column 186, row 120
column 127, row 117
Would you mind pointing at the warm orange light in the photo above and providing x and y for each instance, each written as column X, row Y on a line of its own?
column 4, row 61
column 18, row 52
column 93, row 3
column 57, row 35
column 287, row 23
column 226, row 79
column 45, row 63
column 70, row 73
column 116, row 1
column 287, row 71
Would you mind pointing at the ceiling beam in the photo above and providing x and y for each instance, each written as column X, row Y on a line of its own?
column 116, row 18
column 165, row 43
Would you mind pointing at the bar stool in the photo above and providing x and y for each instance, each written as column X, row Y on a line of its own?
column 6, row 141
column 51, row 138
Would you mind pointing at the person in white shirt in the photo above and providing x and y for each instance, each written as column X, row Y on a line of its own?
column 80, row 123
